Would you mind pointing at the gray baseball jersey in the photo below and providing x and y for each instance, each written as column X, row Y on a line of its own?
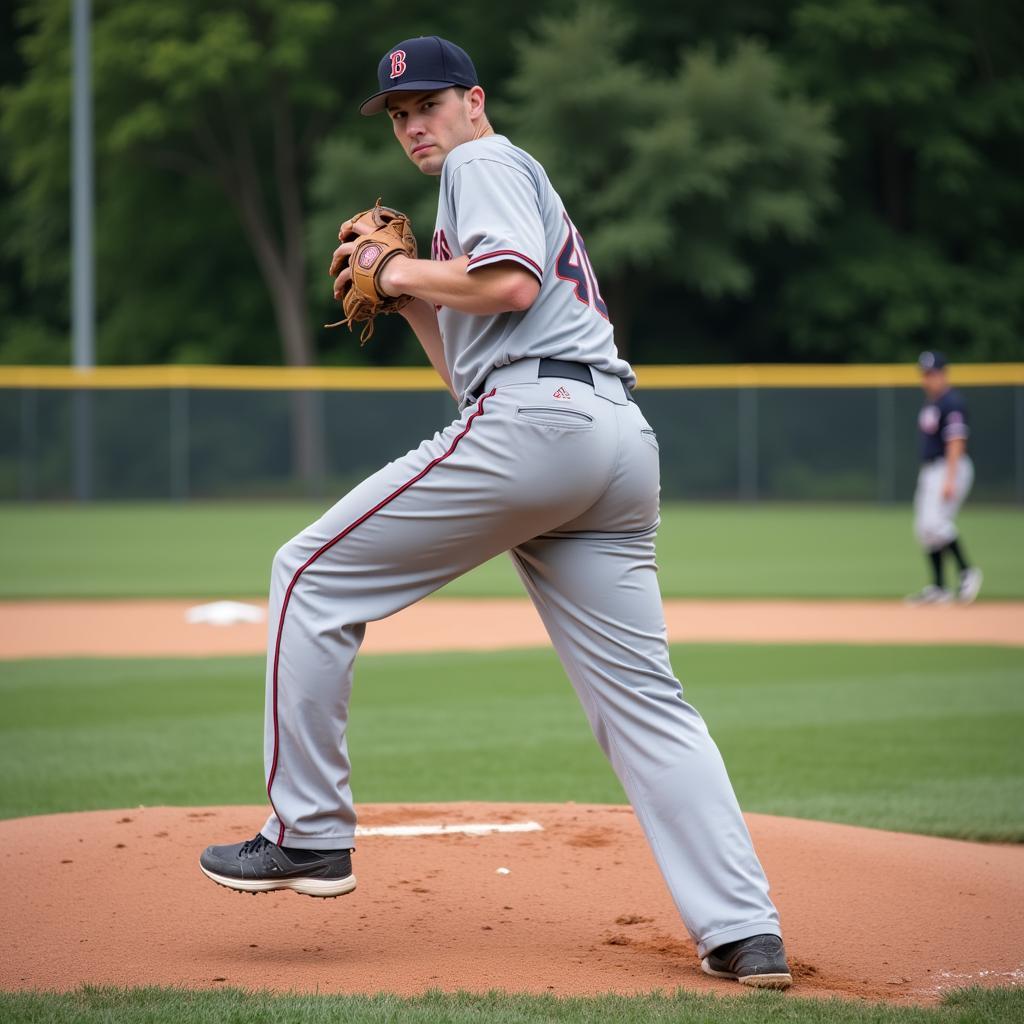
column 558, row 469
column 496, row 204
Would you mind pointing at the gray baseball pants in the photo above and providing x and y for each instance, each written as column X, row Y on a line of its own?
column 570, row 488
column 934, row 515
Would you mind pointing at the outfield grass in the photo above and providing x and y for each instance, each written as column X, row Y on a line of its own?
column 908, row 738
column 731, row 550
column 180, row 1006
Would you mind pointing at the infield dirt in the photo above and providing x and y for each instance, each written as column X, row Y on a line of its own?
column 116, row 897
column 151, row 628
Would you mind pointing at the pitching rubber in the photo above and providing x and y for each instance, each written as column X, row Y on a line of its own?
column 324, row 888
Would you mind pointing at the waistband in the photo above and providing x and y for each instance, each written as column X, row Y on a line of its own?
column 523, row 371
column 933, row 459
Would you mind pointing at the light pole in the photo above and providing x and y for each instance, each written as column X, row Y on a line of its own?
column 83, row 280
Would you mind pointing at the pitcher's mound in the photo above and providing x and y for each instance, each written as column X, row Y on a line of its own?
column 576, row 906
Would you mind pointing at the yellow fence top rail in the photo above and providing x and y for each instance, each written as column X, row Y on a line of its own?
column 423, row 378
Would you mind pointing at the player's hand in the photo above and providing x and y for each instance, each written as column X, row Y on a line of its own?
column 339, row 257
column 369, row 242
column 948, row 490
column 342, row 278
column 363, row 226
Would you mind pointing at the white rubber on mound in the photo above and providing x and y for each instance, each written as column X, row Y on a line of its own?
column 447, row 830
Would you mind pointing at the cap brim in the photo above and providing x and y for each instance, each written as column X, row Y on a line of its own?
column 375, row 104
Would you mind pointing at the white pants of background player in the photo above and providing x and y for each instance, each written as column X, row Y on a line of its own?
column 565, row 475
column 934, row 515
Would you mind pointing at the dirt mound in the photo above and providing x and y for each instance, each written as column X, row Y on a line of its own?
column 116, row 897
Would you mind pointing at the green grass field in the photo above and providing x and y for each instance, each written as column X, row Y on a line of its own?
column 156, row 1006
column 907, row 738
column 199, row 550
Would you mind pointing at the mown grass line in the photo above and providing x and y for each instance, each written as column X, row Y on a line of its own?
column 913, row 739
column 713, row 550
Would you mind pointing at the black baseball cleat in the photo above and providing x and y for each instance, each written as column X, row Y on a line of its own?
column 258, row 865
column 759, row 961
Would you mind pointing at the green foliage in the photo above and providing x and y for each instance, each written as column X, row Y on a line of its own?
column 774, row 180
column 581, row 138
column 883, row 295
column 931, row 98
column 899, row 53
column 731, row 161
column 204, row 122
column 37, row 162
column 679, row 175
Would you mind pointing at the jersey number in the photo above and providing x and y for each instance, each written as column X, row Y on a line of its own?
column 573, row 265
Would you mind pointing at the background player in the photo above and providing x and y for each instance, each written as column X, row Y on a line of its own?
column 550, row 459
column 943, row 483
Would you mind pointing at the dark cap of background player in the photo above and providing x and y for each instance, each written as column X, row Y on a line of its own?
column 420, row 65
column 932, row 361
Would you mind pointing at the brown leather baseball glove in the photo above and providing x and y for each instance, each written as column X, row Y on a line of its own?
column 362, row 300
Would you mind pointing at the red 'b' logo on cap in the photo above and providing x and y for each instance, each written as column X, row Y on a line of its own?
column 398, row 64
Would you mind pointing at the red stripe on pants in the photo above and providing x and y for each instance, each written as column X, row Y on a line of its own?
column 312, row 558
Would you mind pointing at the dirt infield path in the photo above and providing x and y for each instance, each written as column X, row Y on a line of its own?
column 144, row 628
column 579, row 908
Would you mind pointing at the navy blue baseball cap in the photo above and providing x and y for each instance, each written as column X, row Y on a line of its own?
column 932, row 361
column 420, row 65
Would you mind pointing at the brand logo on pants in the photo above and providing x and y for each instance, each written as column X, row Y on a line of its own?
column 563, row 394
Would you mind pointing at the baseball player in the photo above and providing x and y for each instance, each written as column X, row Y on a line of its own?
column 943, row 483
column 550, row 459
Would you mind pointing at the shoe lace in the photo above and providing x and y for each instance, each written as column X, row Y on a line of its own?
column 254, row 845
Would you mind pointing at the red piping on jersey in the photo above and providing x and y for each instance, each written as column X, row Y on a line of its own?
column 312, row 558
column 535, row 267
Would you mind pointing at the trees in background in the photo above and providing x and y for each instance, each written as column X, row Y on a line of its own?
column 198, row 108
column 925, row 248
column 815, row 180
column 683, row 177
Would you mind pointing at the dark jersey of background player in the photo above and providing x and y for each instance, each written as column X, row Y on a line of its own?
column 940, row 422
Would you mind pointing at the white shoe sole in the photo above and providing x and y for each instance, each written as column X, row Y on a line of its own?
column 774, row 981
column 325, row 888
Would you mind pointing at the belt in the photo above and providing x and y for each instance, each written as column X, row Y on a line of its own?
column 569, row 371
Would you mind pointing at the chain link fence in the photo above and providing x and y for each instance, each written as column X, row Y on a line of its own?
column 749, row 443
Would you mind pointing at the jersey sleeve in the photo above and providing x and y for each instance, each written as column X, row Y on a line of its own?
column 497, row 215
column 954, row 422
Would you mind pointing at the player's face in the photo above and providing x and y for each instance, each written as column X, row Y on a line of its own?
column 429, row 125
column 935, row 383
